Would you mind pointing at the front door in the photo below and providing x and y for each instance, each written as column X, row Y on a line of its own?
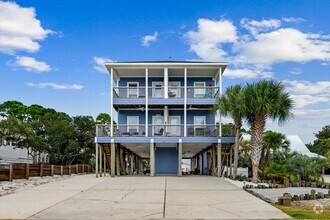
column 158, row 125
column 174, row 90
column 174, row 128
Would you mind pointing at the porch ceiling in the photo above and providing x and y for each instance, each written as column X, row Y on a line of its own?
column 188, row 150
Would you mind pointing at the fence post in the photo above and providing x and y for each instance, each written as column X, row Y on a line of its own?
column 51, row 170
column 61, row 170
column 27, row 171
column 77, row 168
column 83, row 168
column 10, row 172
column 41, row 169
column 88, row 168
column 70, row 170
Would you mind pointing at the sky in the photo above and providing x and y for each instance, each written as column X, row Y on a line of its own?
column 52, row 52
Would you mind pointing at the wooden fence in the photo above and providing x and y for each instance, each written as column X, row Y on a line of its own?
column 24, row 171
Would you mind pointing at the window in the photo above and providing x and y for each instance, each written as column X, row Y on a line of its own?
column 157, row 89
column 199, row 121
column 199, row 125
column 132, row 124
column 132, row 90
column 174, row 90
column 199, row 89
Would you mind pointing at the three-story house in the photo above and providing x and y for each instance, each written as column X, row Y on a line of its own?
column 164, row 115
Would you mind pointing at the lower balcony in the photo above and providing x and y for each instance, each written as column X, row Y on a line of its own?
column 162, row 130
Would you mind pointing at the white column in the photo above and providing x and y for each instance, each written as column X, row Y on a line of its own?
column 113, row 158
column 100, row 152
column 111, row 101
column 165, row 83
column 219, row 158
column 166, row 129
column 152, row 158
column 185, row 104
column 220, row 94
column 147, row 101
column 180, row 158
column 97, row 160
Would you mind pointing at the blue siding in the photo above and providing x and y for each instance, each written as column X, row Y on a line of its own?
column 142, row 80
column 166, row 160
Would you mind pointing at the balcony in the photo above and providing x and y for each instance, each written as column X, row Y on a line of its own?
column 162, row 130
column 174, row 92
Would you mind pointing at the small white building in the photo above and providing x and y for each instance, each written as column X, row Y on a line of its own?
column 11, row 154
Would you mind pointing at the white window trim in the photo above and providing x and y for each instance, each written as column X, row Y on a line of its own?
column 179, row 86
column 199, row 116
column 204, row 85
column 154, row 88
column 137, row 88
column 179, row 121
column 137, row 125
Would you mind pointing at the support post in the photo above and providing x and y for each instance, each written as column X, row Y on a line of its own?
column 180, row 158
column 166, row 83
column 97, row 160
column 52, row 170
column 213, row 160
column 231, row 162
column 10, row 172
column 185, row 104
column 132, row 163
column 152, row 158
column 111, row 102
column 27, row 171
column 147, row 101
column 61, row 170
column 219, row 164
column 220, row 94
column 104, row 164
column 113, row 157
column 100, row 155
column 118, row 160
column 41, row 169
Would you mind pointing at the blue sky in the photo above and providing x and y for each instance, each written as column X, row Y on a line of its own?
column 51, row 51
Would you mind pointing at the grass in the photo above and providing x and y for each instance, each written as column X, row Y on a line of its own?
column 303, row 213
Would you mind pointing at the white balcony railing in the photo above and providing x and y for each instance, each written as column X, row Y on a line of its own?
column 205, row 92
column 162, row 130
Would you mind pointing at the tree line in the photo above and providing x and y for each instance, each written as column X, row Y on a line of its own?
column 67, row 140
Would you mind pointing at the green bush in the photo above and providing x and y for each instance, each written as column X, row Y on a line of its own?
column 241, row 178
column 276, row 172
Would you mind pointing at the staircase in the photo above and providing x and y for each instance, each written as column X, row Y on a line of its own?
column 106, row 150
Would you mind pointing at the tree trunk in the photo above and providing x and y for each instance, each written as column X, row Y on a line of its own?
column 257, row 131
column 236, row 149
column 255, row 170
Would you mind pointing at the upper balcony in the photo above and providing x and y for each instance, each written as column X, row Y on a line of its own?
column 206, row 95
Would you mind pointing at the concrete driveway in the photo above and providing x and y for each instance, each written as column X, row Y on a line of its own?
column 85, row 197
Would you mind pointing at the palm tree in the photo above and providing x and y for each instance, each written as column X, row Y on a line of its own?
column 232, row 104
column 264, row 100
column 273, row 141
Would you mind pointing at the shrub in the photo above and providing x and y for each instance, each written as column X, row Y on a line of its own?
column 275, row 172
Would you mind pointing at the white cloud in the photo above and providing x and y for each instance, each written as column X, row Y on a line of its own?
column 254, row 27
column 312, row 113
column 305, row 87
column 293, row 19
column 207, row 40
column 295, row 71
column 305, row 100
column 149, row 38
column 99, row 64
column 31, row 64
column 283, row 45
column 56, row 86
column 20, row 30
column 265, row 44
column 247, row 73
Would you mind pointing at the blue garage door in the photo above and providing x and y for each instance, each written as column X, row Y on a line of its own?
column 166, row 160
